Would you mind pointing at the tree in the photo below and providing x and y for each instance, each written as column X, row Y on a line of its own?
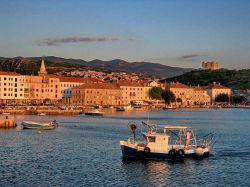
column 238, row 99
column 222, row 98
column 168, row 96
column 156, row 92
column 179, row 100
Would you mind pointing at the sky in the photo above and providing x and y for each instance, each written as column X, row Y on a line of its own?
column 180, row 33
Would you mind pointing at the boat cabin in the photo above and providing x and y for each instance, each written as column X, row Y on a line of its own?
column 172, row 137
column 157, row 142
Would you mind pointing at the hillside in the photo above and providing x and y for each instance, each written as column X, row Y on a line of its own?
column 30, row 65
column 236, row 79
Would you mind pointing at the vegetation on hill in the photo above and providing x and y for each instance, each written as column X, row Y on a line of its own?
column 235, row 79
column 29, row 66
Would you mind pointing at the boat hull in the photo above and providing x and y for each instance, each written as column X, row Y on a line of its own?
column 130, row 152
column 38, row 126
column 93, row 114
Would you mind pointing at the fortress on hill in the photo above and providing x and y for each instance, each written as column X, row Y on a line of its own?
column 210, row 65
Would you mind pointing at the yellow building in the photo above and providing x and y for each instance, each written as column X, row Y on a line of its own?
column 201, row 96
column 147, row 85
column 182, row 91
column 11, row 86
column 131, row 91
column 215, row 89
column 96, row 94
column 188, row 95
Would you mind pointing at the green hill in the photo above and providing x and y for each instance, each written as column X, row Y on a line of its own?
column 235, row 79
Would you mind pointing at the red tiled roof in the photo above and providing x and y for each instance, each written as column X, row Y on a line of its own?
column 177, row 85
column 75, row 79
column 9, row 73
column 98, row 86
column 216, row 86
column 129, row 83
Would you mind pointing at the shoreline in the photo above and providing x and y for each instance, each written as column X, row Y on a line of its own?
column 81, row 111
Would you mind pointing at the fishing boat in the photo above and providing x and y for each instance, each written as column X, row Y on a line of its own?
column 94, row 113
column 167, row 142
column 39, row 126
column 42, row 114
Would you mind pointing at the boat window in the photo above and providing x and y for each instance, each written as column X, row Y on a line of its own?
column 151, row 139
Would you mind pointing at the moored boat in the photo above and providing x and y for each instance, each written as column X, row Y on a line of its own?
column 39, row 126
column 169, row 108
column 94, row 113
column 42, row 114
column 173, row 142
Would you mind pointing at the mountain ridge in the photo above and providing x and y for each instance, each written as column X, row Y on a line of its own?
column 148, row 68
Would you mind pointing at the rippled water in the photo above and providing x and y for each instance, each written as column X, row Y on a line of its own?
column 84, row 151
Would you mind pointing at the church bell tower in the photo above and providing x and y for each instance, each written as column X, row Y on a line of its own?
column 42, row 71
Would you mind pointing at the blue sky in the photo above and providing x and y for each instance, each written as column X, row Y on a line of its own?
column 172, row 32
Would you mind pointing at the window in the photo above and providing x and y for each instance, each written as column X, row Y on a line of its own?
column 151, row 139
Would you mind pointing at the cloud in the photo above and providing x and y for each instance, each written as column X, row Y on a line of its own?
column 191, row 56
column 76, row 39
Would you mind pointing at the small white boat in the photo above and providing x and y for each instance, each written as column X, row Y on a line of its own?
column 124, row 108
column 94, row 113
column 6, row 113
column 120, row 109
column 173, row 143
column 42, row 114
column 169, row 108
column 39, row 126
column 215, row 107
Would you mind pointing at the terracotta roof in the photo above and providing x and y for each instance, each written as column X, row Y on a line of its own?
column 98, row 86
column 129, row 83
column 177, row 85
column 75, row 79
column 216, row 86
column 197, row 88
column 9, row 73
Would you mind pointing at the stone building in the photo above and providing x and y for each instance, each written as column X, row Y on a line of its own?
column 215, row 89
column 90, row 94
column 210, row 65
column 11, row 86
column 131, row 91
column 189, row 95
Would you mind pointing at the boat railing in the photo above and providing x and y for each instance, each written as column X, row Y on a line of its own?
column 206, row 140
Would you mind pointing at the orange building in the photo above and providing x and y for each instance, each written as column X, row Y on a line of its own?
column 131, row 91
column 96, row 94
column 215, row 89
column 188, row 95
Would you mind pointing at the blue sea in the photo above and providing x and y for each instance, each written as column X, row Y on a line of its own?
column 85, row 151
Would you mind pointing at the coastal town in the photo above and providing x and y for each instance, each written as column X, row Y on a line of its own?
column 21, row 90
